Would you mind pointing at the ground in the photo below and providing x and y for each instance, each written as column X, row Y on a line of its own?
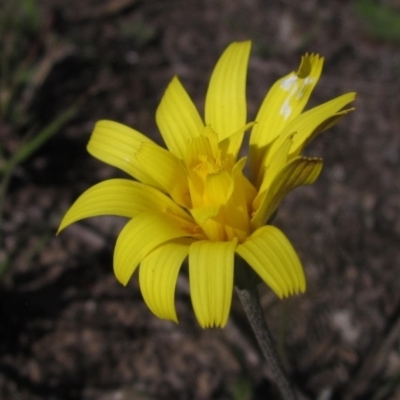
column 69, row 330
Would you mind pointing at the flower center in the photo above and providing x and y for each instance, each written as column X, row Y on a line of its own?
column 208, row 164
column 218, row 189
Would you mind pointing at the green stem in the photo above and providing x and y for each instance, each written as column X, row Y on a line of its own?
column 248, row 296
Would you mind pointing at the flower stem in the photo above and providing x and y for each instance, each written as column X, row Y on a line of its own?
column 252, row 307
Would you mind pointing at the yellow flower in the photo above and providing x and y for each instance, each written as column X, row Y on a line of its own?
column 194, row 199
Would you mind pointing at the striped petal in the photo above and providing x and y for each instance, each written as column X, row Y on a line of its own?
column 116, row 145
column 310, row 123
column 177, row 118
column 158, row 274
column 211, row 281
column 120, row 197
column 278, row 161
column 316, row 123
column 167, row 170
column 284, row 102
column 208, row 219
column 271, row 255
column 216, row 189
column 238, row 205
column 300, row 171
column 139, row 237
column 225, row 108
column 231, row 144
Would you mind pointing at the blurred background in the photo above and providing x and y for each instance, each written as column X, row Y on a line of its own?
column 68, row 330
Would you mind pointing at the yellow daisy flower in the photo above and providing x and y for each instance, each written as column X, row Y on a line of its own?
column 194, row 200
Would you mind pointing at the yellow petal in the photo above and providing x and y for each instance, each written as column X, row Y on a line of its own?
column 207, row 218
column 139, row 237
column 231, row 144
column 211, row 281
column 216, row 188
column 120, row 197
column 225, row 108
column 167, row 170
column 238, row 205
column 271, row 255
column 284, row 102
column 195, row 148
column 212, row 138
column 116, row 145
column 278, row 161
column 158, row 274
column 308, row 133
column 310, row 123
column 300, row 171
column 242, row 185
column 178, row 119
column 202, row 214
